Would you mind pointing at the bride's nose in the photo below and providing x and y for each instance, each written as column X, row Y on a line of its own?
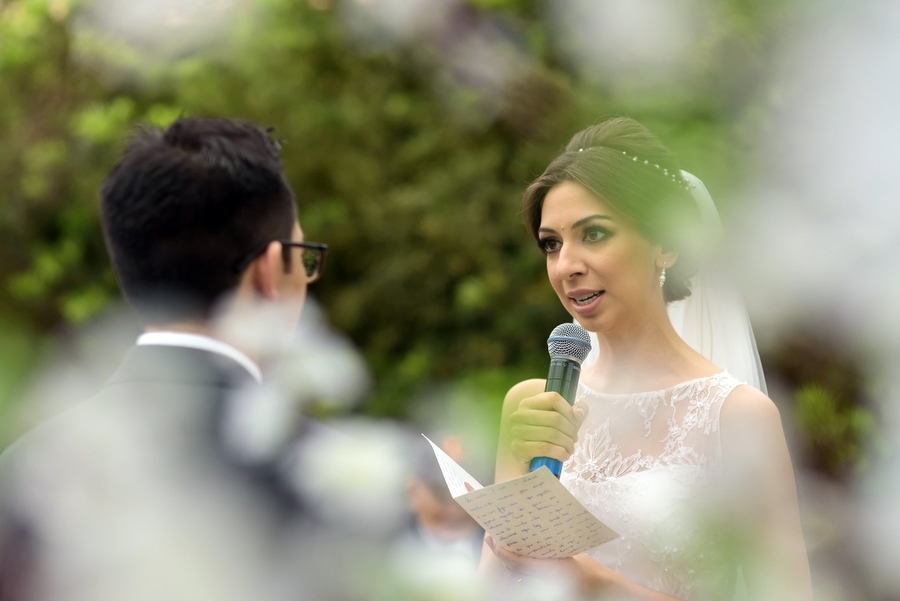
column 569, row 262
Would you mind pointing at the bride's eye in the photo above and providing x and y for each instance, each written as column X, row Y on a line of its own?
column 549, row 245
column 596, row 234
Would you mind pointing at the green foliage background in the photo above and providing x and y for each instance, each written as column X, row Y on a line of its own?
column 412, row 175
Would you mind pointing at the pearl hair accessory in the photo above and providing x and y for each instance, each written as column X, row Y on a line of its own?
column 675, row 177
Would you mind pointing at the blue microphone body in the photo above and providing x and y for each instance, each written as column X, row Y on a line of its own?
column 568, row 344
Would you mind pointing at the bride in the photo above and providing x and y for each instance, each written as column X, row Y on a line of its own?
column 686, row 462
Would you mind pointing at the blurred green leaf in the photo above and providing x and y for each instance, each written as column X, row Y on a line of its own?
column 836, row 430
column 83, row 304
column 103, row 123
column 410, row 170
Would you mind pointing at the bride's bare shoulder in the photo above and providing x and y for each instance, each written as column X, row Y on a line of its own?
column 747, row 410
column 522, row 390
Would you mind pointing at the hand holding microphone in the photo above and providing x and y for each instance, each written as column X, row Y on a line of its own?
column 545, row 415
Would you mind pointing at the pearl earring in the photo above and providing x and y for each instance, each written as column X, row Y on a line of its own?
column 662, row 277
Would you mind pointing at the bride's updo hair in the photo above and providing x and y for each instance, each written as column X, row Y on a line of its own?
column 620, row 162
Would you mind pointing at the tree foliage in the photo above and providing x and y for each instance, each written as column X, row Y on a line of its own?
column 407, row 149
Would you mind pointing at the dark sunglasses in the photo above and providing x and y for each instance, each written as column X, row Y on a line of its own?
column 312, row 256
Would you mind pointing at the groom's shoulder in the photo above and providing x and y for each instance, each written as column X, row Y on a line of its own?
column 47, row 432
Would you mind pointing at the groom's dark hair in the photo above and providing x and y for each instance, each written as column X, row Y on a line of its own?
column 184, row 204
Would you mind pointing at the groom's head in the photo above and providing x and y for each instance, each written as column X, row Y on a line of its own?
column 184, row 205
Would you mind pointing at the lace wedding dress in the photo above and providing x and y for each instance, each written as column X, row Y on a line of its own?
column 646, row 465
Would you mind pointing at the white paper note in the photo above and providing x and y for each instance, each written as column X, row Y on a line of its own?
column 533, row 515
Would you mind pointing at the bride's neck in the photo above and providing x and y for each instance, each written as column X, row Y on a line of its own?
column 651, row 357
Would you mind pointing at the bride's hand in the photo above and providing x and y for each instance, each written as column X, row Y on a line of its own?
column 590, row 575
column 545, row 425
column 519, row 564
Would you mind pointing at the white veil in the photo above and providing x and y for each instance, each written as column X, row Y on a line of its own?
column 713, row 319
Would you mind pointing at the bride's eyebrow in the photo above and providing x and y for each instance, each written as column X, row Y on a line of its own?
column 581, row 222
column 591, row 218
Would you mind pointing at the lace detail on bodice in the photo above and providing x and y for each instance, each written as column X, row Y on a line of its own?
column 640, row 465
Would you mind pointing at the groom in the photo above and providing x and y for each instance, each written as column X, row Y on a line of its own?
column 133, row 493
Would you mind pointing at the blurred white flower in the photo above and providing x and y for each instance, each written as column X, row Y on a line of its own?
column 667, row 502
column 479, row 56
column 819, row 233
column 161, row 27
column 544, row 587
column 321, row 365
column 636, row 40
column 259, row 421
column 393, row 22
column 80, row 364
column 423, row 573
column 259, row 327
column 353, row 473
column 312, row 365
column 481, row 61
column 128, row 505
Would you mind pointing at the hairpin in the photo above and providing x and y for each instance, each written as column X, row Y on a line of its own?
column 676, row 178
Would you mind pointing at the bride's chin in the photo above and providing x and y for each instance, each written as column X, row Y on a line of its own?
column 587, row 324
column 590, row 323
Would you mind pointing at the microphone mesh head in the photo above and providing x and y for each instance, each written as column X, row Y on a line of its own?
column 569, row 340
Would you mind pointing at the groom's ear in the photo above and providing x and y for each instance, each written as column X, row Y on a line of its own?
column 263, row 272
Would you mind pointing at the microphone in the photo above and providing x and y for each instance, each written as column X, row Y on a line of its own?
column 568, row 345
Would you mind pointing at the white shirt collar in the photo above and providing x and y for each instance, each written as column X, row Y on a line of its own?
column 205, row 343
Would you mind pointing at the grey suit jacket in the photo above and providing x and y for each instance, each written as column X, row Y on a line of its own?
column 132, row 493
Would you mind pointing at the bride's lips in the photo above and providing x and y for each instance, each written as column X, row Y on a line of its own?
column 583, row 300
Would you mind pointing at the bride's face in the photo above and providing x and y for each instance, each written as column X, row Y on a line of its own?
column 605, row 273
